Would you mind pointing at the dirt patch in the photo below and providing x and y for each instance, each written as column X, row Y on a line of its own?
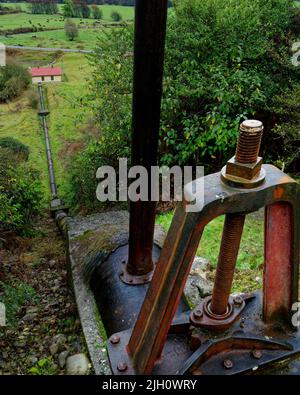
column 70, row 148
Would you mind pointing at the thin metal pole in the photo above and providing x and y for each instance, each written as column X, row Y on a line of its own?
column 150, row 31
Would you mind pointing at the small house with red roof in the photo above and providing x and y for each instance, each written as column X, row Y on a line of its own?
column 46, row 74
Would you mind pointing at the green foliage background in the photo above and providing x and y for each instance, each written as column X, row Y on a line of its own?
column 14, row 79
column 21, row 193
column 225, row 62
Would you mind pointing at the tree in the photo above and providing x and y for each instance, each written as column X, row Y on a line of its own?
column 77, row 10
column 85, row 11
column 97, row 12
column 43, row 7
column 71, row 30
column 68, row 9
column 116, row 16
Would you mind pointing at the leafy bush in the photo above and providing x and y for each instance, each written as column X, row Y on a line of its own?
column 226, row 61
column 68, row 9
column 73, row 9
column 97, row 12
column 85, row 11
column 20, row 193
column 14, row 79
column 116, row 16
column 287, row 130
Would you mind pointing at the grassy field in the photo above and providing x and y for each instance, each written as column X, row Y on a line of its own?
column 248, row 275
column 251, row 246
column 13, row 21
column 20, row 121
column 54, row 39
column 126, row 12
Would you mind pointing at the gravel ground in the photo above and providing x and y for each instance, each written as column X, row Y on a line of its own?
column 42, row 328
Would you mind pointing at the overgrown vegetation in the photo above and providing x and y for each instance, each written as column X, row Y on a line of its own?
column 15, row 147
column 113, row 58
column 225, row 62
column 72, row 9
column 14, row 79
column 13, row 296
column 116, row 16
column 33, row 99
column 287, row 131
column 20, row 189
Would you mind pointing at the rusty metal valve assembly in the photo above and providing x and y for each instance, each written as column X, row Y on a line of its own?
column 225, row 334
column 150, row 325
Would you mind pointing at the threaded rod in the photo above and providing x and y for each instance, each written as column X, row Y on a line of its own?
column 247, row 151
column 232, row 233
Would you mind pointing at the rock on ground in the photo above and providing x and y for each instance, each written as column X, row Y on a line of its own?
column 77, row 365
column 62, row 358
column 197, row 285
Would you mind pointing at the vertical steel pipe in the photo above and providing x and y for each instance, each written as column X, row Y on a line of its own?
column 150, row 31
column 52, row 180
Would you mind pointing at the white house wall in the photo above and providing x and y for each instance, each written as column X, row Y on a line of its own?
column 36, row 80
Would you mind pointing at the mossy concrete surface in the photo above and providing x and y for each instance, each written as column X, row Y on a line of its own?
column 98, row 234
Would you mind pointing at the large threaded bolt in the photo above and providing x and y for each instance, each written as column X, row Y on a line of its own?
column 246, row 153
column 249, row 141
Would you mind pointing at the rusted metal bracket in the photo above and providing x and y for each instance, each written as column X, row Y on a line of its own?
column 149, row 348
column 235, row 354
column 203, row 317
